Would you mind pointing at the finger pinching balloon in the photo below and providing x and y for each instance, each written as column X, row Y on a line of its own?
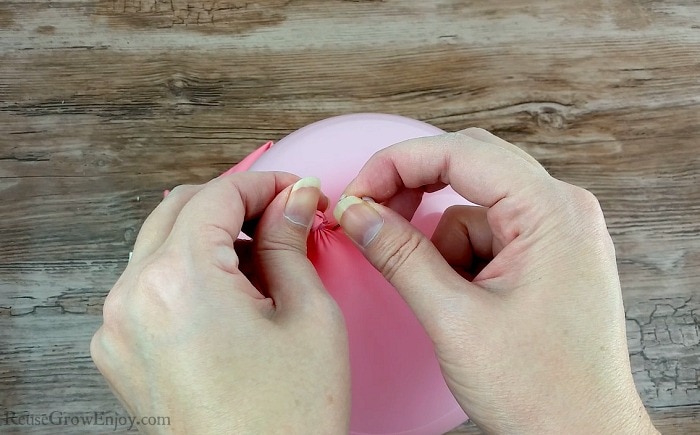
column 397, row 386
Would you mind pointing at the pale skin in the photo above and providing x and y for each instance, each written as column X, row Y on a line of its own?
column 520, row 296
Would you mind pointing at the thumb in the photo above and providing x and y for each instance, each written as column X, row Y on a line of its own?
column 284, row 270
column 406, row 258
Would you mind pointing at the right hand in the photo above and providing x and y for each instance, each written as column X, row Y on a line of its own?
column 534, row 341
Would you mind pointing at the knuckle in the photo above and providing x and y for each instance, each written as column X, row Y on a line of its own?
column 474, row 131
column 588, row 202
column 180, row 189
column 592, row 212
column 453, row 212
column 159, row 286
column 107, row 348
column 113, row 305
column 584, row 204
column 95, row 346
column 111, row 309
column 453, row 138
column 586, row 214
column 400, row 249
column 151, row 277
column 98, row 347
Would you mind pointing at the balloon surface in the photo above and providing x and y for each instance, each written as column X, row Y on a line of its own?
column 397, row 386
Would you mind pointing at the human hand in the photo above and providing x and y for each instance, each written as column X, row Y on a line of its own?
column 520, row 296
column 186, row 335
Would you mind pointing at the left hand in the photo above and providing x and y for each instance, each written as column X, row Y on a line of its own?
column 186, row 335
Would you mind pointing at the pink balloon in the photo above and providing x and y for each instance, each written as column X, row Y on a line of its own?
column 397, row 386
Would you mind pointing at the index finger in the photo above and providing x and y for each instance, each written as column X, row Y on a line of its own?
column 217, row 212
column 480, row 172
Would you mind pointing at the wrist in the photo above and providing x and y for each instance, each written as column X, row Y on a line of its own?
column 618, row 414
column 593, row 414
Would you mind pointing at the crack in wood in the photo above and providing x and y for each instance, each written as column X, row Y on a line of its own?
column 664, row 342
column 26, row 158
column 209, row 16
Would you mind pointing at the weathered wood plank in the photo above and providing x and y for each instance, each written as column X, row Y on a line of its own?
column 315, row 23
column 45, row 367
column 615, row 95
column 105, row 103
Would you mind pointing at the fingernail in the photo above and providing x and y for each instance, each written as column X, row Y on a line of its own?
column 302, row 201
column 359, row 220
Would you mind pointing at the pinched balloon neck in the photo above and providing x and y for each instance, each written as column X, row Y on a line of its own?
column 324, row 222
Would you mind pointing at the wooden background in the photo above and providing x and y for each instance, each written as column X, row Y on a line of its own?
column 105, row 103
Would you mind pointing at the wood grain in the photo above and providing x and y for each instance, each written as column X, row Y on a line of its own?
column 105, row 103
